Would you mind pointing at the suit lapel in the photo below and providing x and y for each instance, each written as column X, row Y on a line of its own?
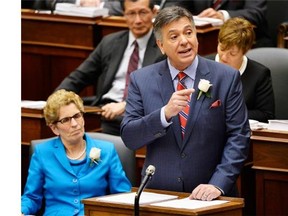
column 60, row 155
column 202, row 72
column 152, row 48
column 165, row 84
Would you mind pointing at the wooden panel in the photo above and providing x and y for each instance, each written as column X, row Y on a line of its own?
column 271, row 193
column 35, row 77
column 58, row 30
column 270, row 162
column 208, row 40
column 269, row 151
column 52, row 47
column 48, row 71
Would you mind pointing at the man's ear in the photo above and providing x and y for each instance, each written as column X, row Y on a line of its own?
column 160, row 45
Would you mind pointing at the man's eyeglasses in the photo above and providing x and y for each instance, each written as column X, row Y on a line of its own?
column 67, row 120
column 133, row 14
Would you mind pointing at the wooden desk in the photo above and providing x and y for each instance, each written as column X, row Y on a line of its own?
column 94, row 207
column 52, row 46
column 245, row 182
column 270, row 162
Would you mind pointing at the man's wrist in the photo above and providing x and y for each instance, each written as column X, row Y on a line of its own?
column 222, row 192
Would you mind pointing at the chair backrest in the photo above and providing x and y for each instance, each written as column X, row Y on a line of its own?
column 276, row 59
column 126, row 155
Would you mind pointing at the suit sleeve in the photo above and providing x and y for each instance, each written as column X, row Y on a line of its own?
column 148, row 124
column 264, row 108
column 236, row 148
column 31, row 200
column 254, row 11
column 118, row 182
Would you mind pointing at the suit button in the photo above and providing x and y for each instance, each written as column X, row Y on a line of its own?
column 179, row 179
column 183, row 155
column 75, row 180
column 159, row 134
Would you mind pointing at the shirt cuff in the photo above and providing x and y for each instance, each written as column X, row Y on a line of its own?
column 165, row 124
column 77, row 2
column 225, row 15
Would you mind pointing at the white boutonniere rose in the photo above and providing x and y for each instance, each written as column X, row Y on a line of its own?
column 95, row 155
column 204, row 86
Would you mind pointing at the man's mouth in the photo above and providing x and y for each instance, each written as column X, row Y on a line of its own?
column 185, row 51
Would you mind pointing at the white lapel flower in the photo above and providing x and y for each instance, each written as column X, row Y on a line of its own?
column 204, row 86
column 95, row 155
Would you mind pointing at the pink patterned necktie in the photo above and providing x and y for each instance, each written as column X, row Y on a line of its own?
column 216, row 4
column 183, row 115
column 132, row 66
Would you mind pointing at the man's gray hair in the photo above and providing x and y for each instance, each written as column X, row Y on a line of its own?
column 168, row 15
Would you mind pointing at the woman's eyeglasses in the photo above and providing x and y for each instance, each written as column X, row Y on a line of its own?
column 67, row 120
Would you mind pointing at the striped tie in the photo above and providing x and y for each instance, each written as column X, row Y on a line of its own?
column 216, row 4
column 132, row 66
column 183, row 115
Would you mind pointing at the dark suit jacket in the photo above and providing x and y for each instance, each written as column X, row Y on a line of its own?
column 257, row 90
column 216, row 139
column 252, row 10
column 102, row 64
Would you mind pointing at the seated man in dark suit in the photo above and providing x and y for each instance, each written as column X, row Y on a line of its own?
column 235, row 38
column 252, row 10
column 107, row 64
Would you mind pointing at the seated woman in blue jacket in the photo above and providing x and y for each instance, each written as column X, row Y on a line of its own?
column 72, row 166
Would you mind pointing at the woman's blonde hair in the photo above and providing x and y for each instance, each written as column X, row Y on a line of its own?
column 57, row 100
column 237, row 31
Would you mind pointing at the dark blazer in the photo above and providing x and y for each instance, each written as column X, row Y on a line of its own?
column 257, row 90
column 216, row 140
column 252, row 10
column 102, row 64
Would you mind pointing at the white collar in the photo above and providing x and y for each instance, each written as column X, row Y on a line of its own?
column 142, row 42
column 243, row 65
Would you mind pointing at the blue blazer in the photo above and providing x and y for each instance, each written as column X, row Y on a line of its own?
column 52, row 177
column 216, row 141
